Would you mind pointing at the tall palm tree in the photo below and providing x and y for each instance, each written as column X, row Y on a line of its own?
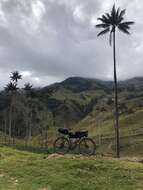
column 11, row 88
column 15, row 76
column 110, row 22
column 27, row 89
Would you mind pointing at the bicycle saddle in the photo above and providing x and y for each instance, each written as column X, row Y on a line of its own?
column 64, row 131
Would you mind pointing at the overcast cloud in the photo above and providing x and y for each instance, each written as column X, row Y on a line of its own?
column 50, row 40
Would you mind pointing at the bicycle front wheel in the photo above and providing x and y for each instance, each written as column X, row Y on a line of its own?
column 87, row 146
column 61, row 145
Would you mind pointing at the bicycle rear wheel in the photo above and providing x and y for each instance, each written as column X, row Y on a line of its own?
column 61, row 145
column 87, row 146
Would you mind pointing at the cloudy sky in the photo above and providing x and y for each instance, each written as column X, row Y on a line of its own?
column 50, row 40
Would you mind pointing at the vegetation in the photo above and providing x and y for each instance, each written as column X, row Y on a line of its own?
column 33, row 171
column 22, row 115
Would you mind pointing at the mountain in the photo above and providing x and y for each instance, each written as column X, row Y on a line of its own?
column 76, row 97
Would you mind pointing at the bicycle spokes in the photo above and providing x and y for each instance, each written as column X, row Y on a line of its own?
column 61, row 145
column 87, row 146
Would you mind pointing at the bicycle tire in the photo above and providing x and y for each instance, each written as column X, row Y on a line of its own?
column 61, row 145
column 87, row 146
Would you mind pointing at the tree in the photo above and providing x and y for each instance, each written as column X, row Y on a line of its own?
column 28, row 115
column 11, row 89
column 110, row 22
column 15, row 77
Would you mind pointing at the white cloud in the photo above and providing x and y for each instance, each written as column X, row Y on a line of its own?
column 26, row 73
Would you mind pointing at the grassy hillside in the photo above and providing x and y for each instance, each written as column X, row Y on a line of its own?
column 21, row 170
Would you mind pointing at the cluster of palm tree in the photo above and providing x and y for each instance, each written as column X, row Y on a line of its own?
column 23, row 115
column 12, row 88
column 110, row 23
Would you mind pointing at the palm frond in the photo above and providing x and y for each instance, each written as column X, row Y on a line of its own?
column 123, row 29
column 102, row 25
column 128, row 23
column 103, row 31
column 113, row 13
column 124, row 26
column 117, row 15
column 106, row 19
column 120, row 19
column 117, row 12
column 108, row 16
column 122, row 13
column 102, row 20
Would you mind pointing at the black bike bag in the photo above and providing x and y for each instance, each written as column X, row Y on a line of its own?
column 63, row 131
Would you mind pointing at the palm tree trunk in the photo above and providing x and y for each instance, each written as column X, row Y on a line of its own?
column 27, row 128
column 10, row 121
column 5, row 124
column 14, row 127
column 30, row 128
column 14, row 116
column 116, row 100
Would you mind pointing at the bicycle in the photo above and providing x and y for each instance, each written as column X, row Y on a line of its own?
column 70, row 141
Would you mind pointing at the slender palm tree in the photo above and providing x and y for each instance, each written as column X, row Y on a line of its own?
column 27, row 89
column 11, row 88
column 15, row 76
column 110, row 22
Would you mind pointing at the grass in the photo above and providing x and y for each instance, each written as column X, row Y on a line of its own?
column 101, row 129
column 22, row 170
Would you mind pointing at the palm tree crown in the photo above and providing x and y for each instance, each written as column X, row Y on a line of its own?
column 111, row 21
column 15, row 76
column 10, row 87
column 27, row 86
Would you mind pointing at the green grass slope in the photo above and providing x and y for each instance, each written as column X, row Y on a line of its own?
column 21, row 170
column 101, row 128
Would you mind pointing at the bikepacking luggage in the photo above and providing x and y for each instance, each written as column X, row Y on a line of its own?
column 78, row 134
